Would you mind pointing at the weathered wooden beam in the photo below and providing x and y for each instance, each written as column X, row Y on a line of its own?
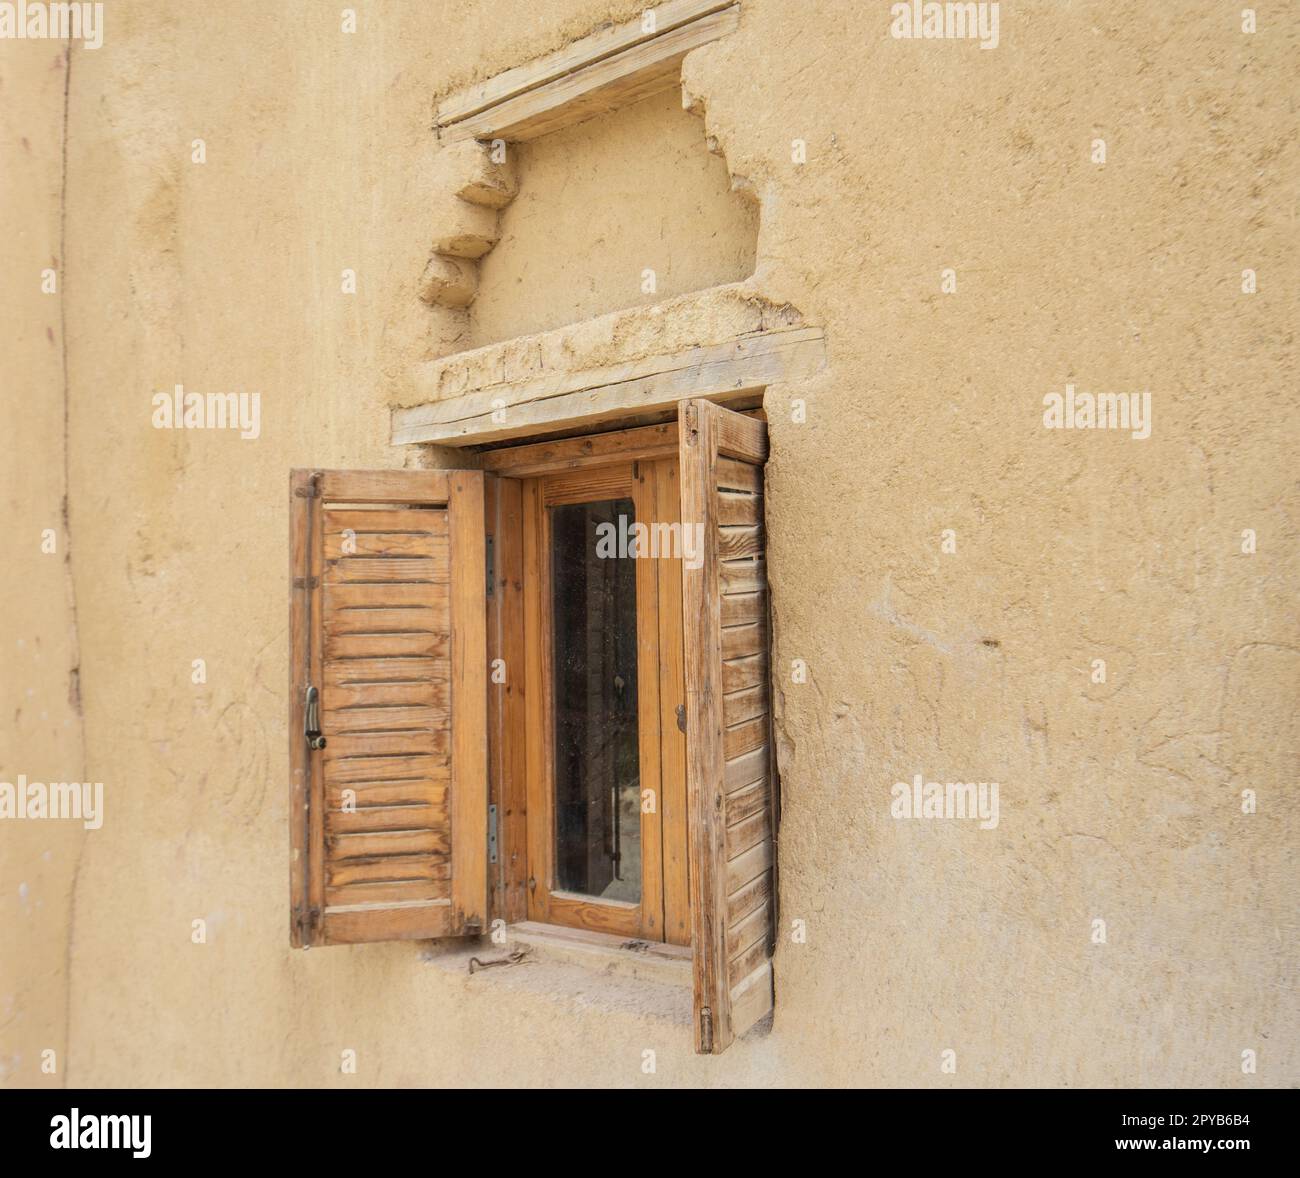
column 585, row 52
column 600, row 73
column 636, row 389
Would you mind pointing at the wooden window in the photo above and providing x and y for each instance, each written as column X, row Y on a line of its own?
column 613, row 772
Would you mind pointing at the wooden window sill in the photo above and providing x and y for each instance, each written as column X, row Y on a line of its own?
column 626, row 957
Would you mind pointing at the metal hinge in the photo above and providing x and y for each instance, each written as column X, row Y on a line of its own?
column 309, row 490
column 308, row 925
column 489, row 551
column 681, row 717
column 492, row 834
column 706, row 1031
column 306, row 582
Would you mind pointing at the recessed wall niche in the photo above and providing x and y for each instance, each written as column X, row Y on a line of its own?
column 599, row 204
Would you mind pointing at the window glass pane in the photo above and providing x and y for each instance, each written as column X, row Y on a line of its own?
column 597, row 756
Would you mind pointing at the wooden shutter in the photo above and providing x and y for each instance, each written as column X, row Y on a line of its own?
column 731, row 782
column 388, row 822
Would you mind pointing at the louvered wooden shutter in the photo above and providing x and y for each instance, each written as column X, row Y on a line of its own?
column 388, row 821
column 731, row 781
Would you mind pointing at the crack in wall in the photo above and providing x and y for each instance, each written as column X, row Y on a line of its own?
column 74, row 672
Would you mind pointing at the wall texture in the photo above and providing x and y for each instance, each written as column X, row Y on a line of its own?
column 1120, row 801
column 40, row 729
column 601, row 203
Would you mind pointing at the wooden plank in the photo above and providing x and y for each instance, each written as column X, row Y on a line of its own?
column 390, row 868
column 507, row 713
column 743, row 737
column 573, row 399
column 743, row 933
column 372, row 844
column 672, row 692
column 743, row 673
column 736, row 507
column 743, row 438
column 403, row 619
column 595, row 86
column 365, row 646
column 575, row 56
column 746, row 801
column 469, row 760
column 748, row 833
column 747, row 961
column 743, row 576
column 342, row 544
column 800, row 346
column 417, row 742
column 644, row 443
column 644, row 499
column 739, row 642
column 428, row 791
column 744, row 868
column 370, row 696
column 498, row 738
column 316, row 855
column 538, row 751
column 746, row 769
column 749, row 896
column 386, row 719
column 375, row 818
column 300, row 646
column 739, row 476
column 377, row 569
column 702, row 640
column 386, row 893
column 424, row 920
column 738, row 608
column 384, row 486
column 581, row 486
column 386, row 596
column 432, row 672
column 744, row 705
column 740, row 543
column 357, row 770
column 386, row 523
column 607, row 916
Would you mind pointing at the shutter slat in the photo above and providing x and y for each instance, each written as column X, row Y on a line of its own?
column 368, row 646
column 738, row 608
column 370, row 844
column 376, row 818
column 401, row 620
column 388, row 893
column 367, row 569
column 435, row 672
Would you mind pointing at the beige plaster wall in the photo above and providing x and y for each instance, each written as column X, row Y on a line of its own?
column 1119, row 801
column 40, row 723
column 600, row 204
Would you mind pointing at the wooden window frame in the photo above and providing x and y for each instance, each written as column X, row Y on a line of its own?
column 640, row 464
column 546, row 903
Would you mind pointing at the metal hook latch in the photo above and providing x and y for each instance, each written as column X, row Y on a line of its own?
column 311, row 720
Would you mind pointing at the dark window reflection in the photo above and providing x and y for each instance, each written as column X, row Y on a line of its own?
column 597, row 759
